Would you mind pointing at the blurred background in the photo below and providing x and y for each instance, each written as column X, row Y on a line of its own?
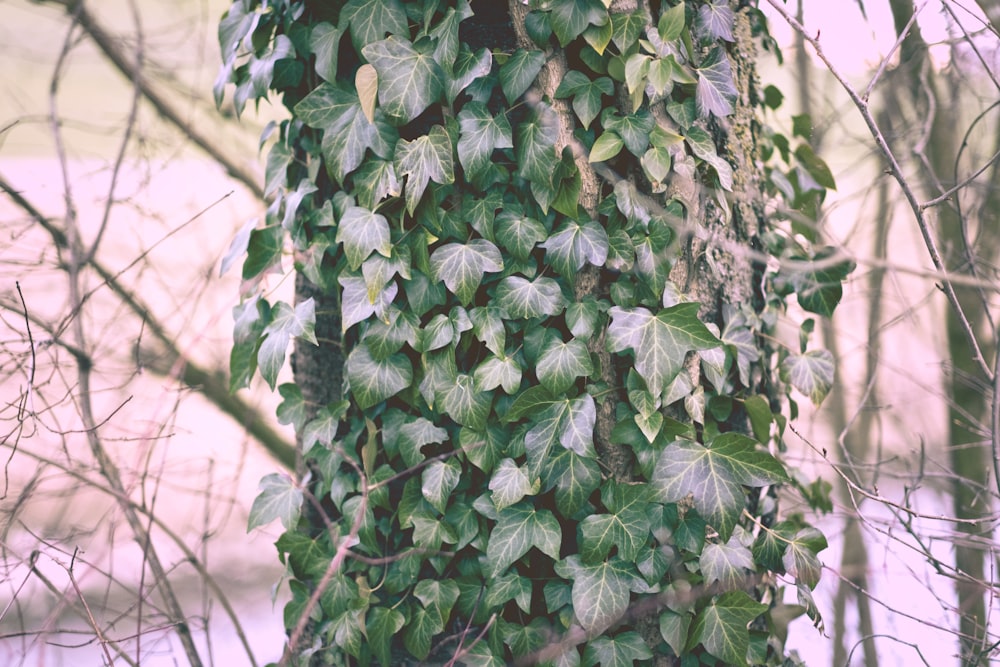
column 129, row 469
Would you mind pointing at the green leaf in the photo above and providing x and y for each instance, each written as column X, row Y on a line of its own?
column 371, row 20
column 279, row 498
column 574, row 478
column 577, row 244
column 536, row 142
column 409, row 80
column 499, row 371
column 571, row 17
column 728, row 563
column 715, row 476
column 420, row 629
column 465, row 404
column 427, row 158
column 488, row 328
column 703, row 146
column 634, row 129
column 324, row 426
column 671, row 23
column 619, row 651
column 324, row 40
column 522, row 298
column 414, row 435
column 560, row 364
column 625, row 526
column 721, row 627
column 800, row 559
column 607, row 146
column 716, row 91
column 660, row 342
column 286, row 323
column 518, row 529
column 674, row 630
column 347, row 133
column 373, row 381
column 815, row 165
column 382, row 624
column 628, row 28
column 510, row 484
column 601, row 592
column 462, row 267
column 760, row 417
column 468, row 67
column 438, row 597
column 586, row 94
column 438, row 480
column 582, row 317
column 570, row 422
column 356, row 304
column 263, row 250
column 519, row 72
column 363, row 232
column 518, row 234
column 811, row 373
column 481, row 133
column 262, row 67
column 508, row 587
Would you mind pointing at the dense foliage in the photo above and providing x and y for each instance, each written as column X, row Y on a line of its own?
column 546, row 449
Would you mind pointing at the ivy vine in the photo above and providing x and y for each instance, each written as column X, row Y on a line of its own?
column 546, row 449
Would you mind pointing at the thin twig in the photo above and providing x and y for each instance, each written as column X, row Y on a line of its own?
column 897, row 173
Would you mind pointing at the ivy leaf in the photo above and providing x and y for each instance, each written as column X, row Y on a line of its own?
column 571, row 17
column 279, row 498
column 619, row 651
column 438, row 480
column 627, row 28
column 519, row 72
column 536, row 144
column 703, row 147
column 721, row 627
column 811, row 373
column 570, row 422
column 499, row 372
column 356, row 304
column 601, row 592
column 286, row 323
column 574, row 478
column 716, row 90
column 586, row 94
column 363, row 232
column 371, row 20
column 462, row 267
column 560, row 364
column 262, row 67
column 815, row 166
column 518, row 234
column 727, row 563
column 607, row 146
column 373, row 381
column 800, row 559
column 660, row 341
column 625, row 526
column 438, row 597
column 323, row 428
column 465, row 404
column 324, row 40
column 671, row 23
column 715, row 476
column 518, row 529
column 427, row 158
column 510, row 586
column 674, row 629
column 381, row 626
column 409, row 80
column 582, row 317
column 715, row 19
column 510, row 484
column 575, row 245
column 347, row 133
column 481, row 133
column 523, row 299
column 634, row 129
column 468, row 67
column 414, row 435
column 488, row 328
column 420, row 629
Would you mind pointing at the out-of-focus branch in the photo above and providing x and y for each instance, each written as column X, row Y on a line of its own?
column 897, row 173
column 111, row 48
column 211, row 384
